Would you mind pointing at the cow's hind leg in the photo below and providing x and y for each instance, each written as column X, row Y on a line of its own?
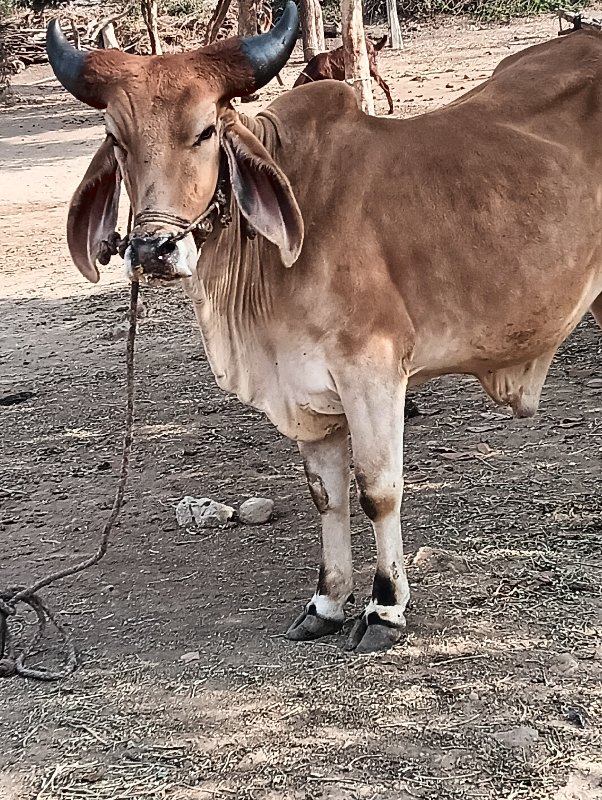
column 327, row 471
column 375, row 413
column 386, row 90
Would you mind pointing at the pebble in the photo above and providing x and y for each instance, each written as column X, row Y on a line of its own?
column 256, row 511
column 202, row 512
column 565, row 665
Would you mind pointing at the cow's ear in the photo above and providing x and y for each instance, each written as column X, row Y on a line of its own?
column 262, row 191
column 93, row 211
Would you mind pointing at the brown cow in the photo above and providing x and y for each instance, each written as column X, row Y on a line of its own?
column 389, row 252
column 331, row 66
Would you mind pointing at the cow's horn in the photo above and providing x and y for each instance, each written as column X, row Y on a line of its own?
column 267, row 53
column 68, row 64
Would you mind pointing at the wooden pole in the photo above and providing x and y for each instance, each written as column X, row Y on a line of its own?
column 149, row 15
column 357, row 69
column 312, row 28
column 217, row 18
column 247, row 17
column 394, row 28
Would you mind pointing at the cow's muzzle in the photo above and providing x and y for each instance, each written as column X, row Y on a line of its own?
column 160, row 257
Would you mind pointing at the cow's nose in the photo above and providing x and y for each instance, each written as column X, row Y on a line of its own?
column 151, row 252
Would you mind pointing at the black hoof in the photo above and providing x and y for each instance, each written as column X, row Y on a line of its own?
column 309, row 625
column 373, row 638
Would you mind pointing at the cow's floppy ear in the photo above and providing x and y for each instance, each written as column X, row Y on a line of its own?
column 262, row 191
column 93, row 211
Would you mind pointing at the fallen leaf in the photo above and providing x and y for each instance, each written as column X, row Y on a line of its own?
column 484, row 428
column 571, row 422
column 193, row 655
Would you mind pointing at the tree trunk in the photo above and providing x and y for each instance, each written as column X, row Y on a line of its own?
column 247, row 17
column 216, row 21
column 109, row 39
column 357, row 69
column 312, row 28
column 394, row 29
column 149, row 15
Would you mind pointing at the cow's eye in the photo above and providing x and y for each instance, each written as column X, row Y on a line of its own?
column 206, row 134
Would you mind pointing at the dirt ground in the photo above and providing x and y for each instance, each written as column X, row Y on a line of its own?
column 187, row 689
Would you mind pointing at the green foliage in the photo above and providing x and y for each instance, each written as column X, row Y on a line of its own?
column 497, row 10
column 182, row 8
column 7, row 8
column 483, row 10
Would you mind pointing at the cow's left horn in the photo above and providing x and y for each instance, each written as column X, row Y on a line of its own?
column 68, row 64
column 267, row 53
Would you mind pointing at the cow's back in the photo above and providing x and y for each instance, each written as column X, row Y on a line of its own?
column 443, row 214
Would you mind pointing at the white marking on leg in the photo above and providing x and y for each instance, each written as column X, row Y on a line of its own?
column 375, row 415
column 326, row 607
column 327, row 470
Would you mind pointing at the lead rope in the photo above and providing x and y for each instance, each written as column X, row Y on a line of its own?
column 10, row 664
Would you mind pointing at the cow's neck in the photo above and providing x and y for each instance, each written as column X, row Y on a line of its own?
column 231, row 270
column 232, row 291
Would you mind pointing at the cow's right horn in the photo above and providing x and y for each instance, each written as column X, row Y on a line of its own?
column 268, row 52
column 68, row 64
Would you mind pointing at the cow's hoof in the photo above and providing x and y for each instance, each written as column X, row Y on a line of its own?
column 373, row 638
column 309, row 625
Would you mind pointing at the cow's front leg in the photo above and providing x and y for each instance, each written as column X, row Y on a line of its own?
column 327, row 470
column 376, row 414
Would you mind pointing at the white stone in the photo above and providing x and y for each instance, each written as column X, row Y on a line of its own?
column 564, row 664
column 202, row 512
column 193, row 655
column 256, row 511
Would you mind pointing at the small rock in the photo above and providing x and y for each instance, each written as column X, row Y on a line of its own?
column 256, row 511
column 577, row 715
column 253, row 760
column 517, row 737
column 428, row 559
column 202, row 512
column 565, row 665
column 193, row 655
column 598, row 653
column 120, row 331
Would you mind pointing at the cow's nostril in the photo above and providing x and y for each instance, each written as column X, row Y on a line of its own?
column 167, row 247
column 135, row 244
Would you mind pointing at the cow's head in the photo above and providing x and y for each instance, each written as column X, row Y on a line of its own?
column 169, row 122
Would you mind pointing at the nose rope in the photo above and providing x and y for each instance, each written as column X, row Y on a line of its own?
column 201, row 227
column 202, row 223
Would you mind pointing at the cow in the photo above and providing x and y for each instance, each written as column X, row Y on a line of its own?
column 333, row 259
column 331, row 66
